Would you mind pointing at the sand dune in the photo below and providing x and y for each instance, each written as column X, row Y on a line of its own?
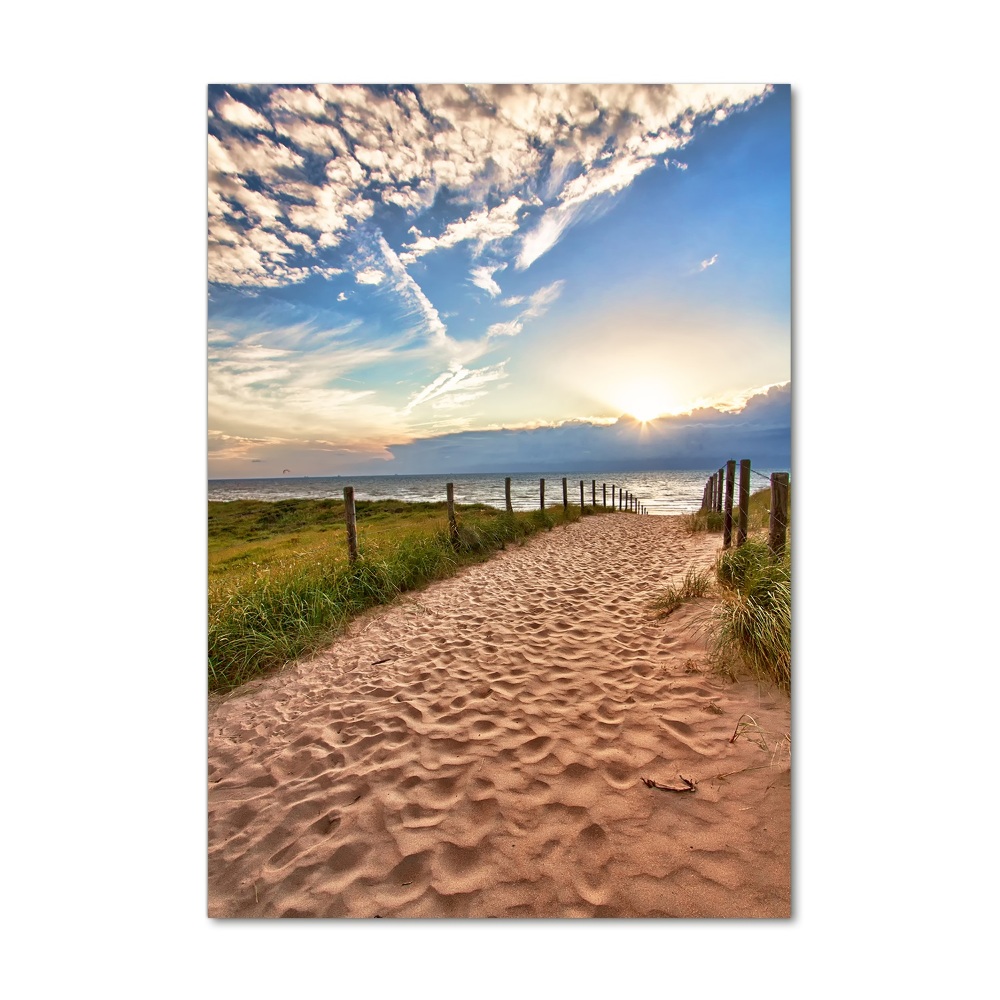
column 478, row 750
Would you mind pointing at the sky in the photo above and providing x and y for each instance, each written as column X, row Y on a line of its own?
column 497, row 278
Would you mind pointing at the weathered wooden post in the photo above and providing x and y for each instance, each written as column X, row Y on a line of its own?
column 541, row 493
column 593, row 493
column 741, row 527
column 604, row 494
column 565, row 496
column 581, row 496
column 506, row 490
column 452, row 523
column 779, row 512
column 727, row 524
column 718, row 499
column 352, row 524
column 612, row 496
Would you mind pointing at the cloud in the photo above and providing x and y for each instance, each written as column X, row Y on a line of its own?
column 414, row 296
column 761, row 430
column 342, row 297
column 290, row 377
column 458, row 378
column 509, row 329
column 311, row 164
column 239, row 114
column 708, row 263
column 482, row 277
column 483, row 227
column 369, row 276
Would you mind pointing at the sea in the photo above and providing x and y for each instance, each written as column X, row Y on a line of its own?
column 669, row 491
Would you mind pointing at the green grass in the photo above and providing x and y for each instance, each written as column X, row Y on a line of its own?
column 694, row 584
column 280, row 584
column 751, row 628
column 758, row 515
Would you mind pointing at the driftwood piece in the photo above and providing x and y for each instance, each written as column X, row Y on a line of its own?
column 688, row 786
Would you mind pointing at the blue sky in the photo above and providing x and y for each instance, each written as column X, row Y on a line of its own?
column 400, row 278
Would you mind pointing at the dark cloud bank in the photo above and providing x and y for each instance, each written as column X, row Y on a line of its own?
column 702, row 439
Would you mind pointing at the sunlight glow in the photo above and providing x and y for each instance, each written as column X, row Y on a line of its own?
column 644, row 400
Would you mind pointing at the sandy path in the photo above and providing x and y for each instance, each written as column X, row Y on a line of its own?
column 477, row 750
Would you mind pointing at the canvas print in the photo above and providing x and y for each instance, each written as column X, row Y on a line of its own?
column 499, row 500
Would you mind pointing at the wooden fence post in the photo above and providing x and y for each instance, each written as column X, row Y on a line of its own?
column 506, row 489
column 541, row 493
column 741, row 527
column 565, row 497
column 593, row 493
column 727, row 524
column 718, row 499
column 612, row 496
column 352, row 524
column 452, row 523
column 604, row 494
column 581, row 496
column 779, row 512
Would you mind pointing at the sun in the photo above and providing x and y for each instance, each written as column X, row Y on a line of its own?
column 644, row 401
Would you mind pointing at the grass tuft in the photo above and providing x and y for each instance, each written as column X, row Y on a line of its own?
column 751, row 628
column 694, row 584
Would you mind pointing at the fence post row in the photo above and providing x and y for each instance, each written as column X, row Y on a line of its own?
column 621, row 499
column 779, row 512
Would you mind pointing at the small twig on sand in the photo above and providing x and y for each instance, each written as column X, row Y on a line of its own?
column 728, row 774
column 688, row 786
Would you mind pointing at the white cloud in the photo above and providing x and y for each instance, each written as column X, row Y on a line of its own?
column 482, row 277
column 239, row 114
column 458, row 377
column 539, row 302
column 342, row 297
column 509, row 329
column 480, row 145
column 483, row 226
column 708, row 263
column 369, row 276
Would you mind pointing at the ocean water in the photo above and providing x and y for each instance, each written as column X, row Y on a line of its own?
column 664, row 492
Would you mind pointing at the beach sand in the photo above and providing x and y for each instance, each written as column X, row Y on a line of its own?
column 478, row 750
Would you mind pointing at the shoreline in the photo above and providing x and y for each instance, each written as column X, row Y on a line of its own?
column 478, row 749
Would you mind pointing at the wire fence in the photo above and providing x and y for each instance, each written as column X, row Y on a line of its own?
column 719, row 495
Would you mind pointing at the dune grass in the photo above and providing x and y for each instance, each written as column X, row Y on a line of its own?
column 694, row 584
column 280, row 584
column 758, row 515
column 751, row 627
